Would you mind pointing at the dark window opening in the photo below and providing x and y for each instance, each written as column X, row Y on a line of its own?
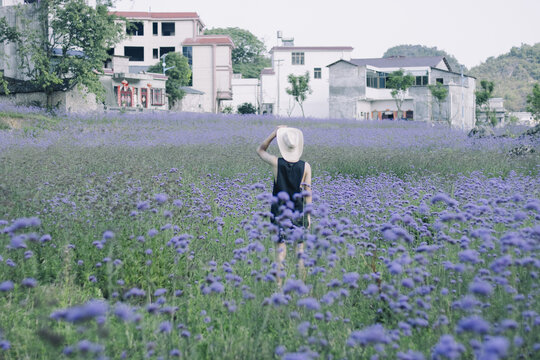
column 187, row 51
column 317, row 73
column 135, row 53
column 167, row 29
column 297, row 58
column 110, row 52
column 155, row 54
column 165, row 50
column 135, row 28
column 409, row 115
column 376, row 79
column 421, row 80
column 440, row 80
column 154, row 28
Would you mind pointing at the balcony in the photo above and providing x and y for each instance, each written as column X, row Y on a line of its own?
column 224, row 95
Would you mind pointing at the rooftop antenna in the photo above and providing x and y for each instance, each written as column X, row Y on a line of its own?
column 279, row 36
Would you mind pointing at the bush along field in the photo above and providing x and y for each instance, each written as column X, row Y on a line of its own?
column 147, row 235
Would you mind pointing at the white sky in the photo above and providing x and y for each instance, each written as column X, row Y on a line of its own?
column 471, row 30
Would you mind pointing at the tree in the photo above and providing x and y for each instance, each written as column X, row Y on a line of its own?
column 248, row 54
column 482, row 101
column 533, row 101
column 7, row 34
column 299, row 89
column 439, row 92
column 179, row 74
column 247, row 108
column 69, row 47
column 399, row 82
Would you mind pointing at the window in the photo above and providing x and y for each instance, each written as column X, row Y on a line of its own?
column 110, row 52
column 297, row 58
column 154, row 28
column 135, row 28
column 164, row 50
column 187, row 51
column 440, row 80
column 317, row 74
column 421, row 80
column 155, row 54
column 376, row 79
column 157, row 96
column 135, row 53
column 167, row 29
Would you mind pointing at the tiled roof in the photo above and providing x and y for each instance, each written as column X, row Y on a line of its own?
column 311, row 48
column 267, row 71
column 399, row 62
column 156, row 15
column 209, row 40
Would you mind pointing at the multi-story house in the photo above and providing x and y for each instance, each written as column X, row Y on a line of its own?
column 358, row 89
column 154, row 34
column 297, row 60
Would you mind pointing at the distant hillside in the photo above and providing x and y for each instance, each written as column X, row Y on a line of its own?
column 421, row 50
column 513, row 73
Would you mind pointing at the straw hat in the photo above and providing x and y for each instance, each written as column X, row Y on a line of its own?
column 291, row 143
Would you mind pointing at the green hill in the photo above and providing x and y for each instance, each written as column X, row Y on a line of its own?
column 513, row 73
column 421, row 50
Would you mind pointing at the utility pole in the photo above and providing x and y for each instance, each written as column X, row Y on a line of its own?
column 462, row 102
column 163, row 64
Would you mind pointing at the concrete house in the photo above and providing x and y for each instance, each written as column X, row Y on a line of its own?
column 154, row 34
column 210, row 57
column 289, row 59
column 357, row 89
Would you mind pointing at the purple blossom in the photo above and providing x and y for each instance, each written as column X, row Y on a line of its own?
column 447, row 348
column 375, row 334
column 309, row 303
column 298, row 286
column 473, row 324
column 6, row 285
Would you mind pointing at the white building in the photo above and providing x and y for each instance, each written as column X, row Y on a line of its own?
column 154, row 34
column 245, row 90
column 298, row 60
column 358, row 90
column 211, row 60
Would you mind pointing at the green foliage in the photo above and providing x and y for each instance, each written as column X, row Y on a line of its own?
column 7, row 34
column 299, row 89
column 247, row 108
column 81, row 33
column 513, row 73
column 399, row 82
column 421, row 50
column 533, row 101
column 439, row 92
column 482, row 102
column 179, row 75
column 248, row 54
column 227, row 109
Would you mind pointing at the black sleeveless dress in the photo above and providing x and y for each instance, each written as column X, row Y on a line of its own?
column 289, row 177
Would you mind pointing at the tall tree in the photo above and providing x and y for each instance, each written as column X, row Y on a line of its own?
column 439, row 92
column 533, row 101
column 69, row 47
column 482, row 101
column 248, row 54
column 178, row 72
column 399, row 82
column 299, row 89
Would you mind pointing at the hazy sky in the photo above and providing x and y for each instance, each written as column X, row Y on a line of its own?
column 471, row 30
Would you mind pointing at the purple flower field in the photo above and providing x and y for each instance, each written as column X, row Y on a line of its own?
column 148, row 236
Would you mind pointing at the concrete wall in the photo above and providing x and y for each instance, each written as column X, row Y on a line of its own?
column 190, row 103
column 203, row 65
column 346, row 86
column 21, row 17
column 74, row 100
column 317, row 103
column 244, row 91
